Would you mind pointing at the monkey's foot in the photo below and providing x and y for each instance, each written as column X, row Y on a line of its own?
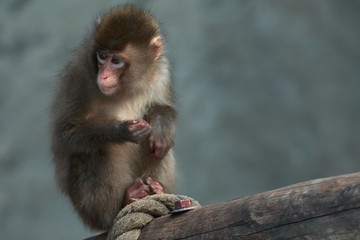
column 139, row 190
column 155, row 187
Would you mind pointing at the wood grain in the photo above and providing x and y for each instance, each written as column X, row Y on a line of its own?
column 327, row 208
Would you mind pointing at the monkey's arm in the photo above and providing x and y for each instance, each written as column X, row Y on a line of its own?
column 162, row 121
column 84, row 135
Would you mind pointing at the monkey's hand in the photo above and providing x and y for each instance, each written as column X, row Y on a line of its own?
column 162, row 121
column 158, row 146
column 134, row 130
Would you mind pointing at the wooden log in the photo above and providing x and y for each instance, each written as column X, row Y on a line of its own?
column 327, row 208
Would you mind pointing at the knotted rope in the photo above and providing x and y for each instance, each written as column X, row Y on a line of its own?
column 135, row 216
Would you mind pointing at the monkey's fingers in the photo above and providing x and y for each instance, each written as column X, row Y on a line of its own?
column 155, row 187
column 131, row 196
column 141, row 133
column 138, row 129
column 137, row 184
column 157, row 149
column 140, row 194
column 136, row 191
column 151, row 147
column 137, row 124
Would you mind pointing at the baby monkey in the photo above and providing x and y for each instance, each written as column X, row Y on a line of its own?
column 113, row 118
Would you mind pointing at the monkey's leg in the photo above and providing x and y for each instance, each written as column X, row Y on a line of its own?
column 91, row 187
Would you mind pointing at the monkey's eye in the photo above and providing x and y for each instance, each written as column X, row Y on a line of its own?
column 117, row 62
column 101, row 58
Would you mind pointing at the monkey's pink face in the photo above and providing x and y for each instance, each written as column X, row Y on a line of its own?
column 111, row 69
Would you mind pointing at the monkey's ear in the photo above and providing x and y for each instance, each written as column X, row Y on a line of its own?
column 156, row 46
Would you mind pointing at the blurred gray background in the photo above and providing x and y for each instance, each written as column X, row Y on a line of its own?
column 268, row 95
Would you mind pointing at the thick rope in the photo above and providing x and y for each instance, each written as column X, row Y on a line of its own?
column 135, row 216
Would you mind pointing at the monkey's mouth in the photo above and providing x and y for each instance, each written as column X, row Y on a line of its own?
column 109, row 89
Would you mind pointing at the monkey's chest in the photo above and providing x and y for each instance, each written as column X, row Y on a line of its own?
column 129, row 159
column 130, row 110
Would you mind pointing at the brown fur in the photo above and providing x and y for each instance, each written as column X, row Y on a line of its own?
column 123, row 25
column 96, row 156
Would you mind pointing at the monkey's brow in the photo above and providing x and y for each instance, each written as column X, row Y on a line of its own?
column 108, row 54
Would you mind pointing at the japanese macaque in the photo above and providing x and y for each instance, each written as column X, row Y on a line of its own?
column 113, row 118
